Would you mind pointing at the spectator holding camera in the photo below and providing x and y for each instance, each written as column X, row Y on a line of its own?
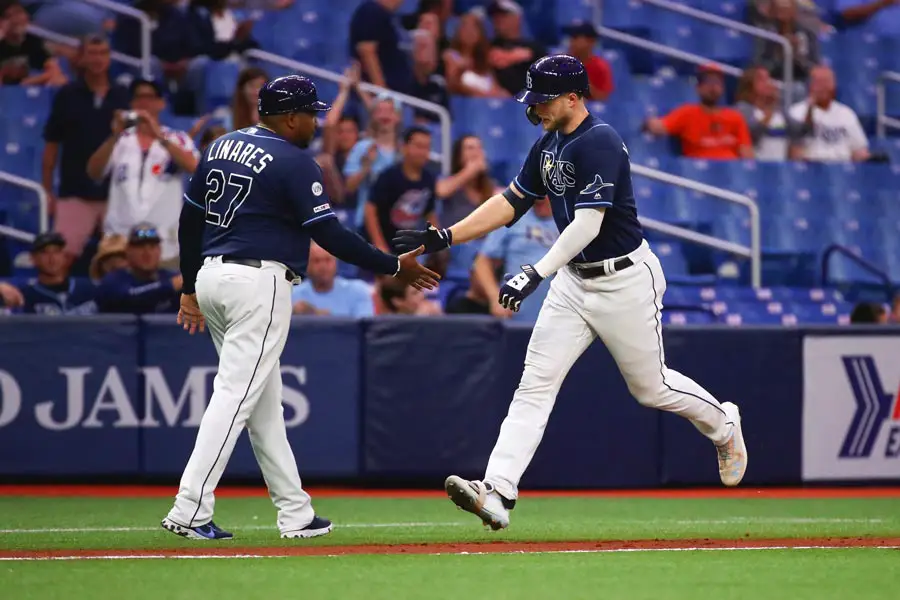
column 142, row 287
column 146, row 162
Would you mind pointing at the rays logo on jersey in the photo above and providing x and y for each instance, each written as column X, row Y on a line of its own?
column 595, row 187
column 558, row 175
column 876, row 410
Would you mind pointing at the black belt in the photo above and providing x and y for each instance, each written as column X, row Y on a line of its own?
column 600, row 270
column 256, row 263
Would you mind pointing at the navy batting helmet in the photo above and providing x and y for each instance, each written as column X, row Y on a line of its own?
column 289, row 94
column 550, row 77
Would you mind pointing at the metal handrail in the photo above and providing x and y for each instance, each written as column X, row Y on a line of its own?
column 34, row 187
column 59, row 38
column 442, row 113
column 146, row 27
column 753, row 252
column 865, row 264
column 631, row 40
column 743, row 28
column 16, row 234
column 882, row 121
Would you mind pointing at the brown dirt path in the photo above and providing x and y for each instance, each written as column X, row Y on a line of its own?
column 226, row 550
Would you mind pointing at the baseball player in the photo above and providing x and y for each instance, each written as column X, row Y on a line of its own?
column 608, row 284
column 254, row 203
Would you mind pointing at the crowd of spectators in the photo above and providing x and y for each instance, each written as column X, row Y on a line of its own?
column 115, row 175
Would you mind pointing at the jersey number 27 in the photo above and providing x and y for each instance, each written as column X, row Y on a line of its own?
column 238, row 185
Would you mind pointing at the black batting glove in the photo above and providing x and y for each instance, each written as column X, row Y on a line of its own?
column 434, row 239
column 519, row 287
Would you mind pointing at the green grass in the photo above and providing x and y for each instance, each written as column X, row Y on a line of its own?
column 689, row 575
column 814, row 575
column 436, row 520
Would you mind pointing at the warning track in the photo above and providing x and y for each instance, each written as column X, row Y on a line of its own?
column 226, row 550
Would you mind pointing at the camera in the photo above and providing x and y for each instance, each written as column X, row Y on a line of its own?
column 130, row 119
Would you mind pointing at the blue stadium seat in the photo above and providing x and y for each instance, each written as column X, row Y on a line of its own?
column 733, row 229
column 725, row 45
column 499, row 124
column 759, row 314
column 688, row 317
column 221, row 78
column 24, row 161
column 671, row 256
column 575, row 10
column 797, row 235
column 730, row 9
column 824, row 313
column 628, row 15
column 690, row 295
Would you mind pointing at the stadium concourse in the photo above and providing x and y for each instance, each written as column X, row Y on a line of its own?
column 818, row 178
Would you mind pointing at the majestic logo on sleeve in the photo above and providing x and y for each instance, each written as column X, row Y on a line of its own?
column 558, row 175
column 873, row 411
column 595, row 187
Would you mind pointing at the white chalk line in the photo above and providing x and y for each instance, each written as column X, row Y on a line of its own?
column 430, row 525
column 510, row 553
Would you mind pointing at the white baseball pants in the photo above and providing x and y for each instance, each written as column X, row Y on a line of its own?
column 623, row 310
column 248, row 313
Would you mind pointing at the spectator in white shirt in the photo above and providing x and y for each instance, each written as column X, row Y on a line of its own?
column 837, row 135
column 147, row 164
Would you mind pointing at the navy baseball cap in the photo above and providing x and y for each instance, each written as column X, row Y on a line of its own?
column 143, row 234
column 47, row 239
column 580, row 28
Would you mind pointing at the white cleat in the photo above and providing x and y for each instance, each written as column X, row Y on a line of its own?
column 480, row 499
column 733, row 453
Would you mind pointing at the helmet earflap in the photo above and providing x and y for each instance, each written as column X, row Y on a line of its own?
column 531, row 113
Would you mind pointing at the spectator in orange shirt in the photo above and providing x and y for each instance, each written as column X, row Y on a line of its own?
column 582, row 39
column 707, row 130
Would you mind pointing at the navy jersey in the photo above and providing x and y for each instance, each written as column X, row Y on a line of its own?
column 259, row 191
column 589, row 168
column 73, row 297
column 401, row 202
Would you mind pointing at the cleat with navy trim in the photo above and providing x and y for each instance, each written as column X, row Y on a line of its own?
column 318, row 526
column 209, row 531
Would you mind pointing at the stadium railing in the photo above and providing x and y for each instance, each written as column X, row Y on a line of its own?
column 788, row 73
column 859, row 260
column 18, row 234
column 117, row 7
column 753, row 251
column 442, row 113
column 883, row 121
column 59, row 38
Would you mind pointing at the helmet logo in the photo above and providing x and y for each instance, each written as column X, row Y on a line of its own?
column 528, row 80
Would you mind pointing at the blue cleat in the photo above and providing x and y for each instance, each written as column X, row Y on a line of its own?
column 318, row 526
column 209, row 531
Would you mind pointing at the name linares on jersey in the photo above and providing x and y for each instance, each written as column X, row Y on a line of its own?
column 239, row 151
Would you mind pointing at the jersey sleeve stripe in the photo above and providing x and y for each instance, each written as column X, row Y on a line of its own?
column 523, row 189
column 582, row 204
column 192, row 202
column 327, row 215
